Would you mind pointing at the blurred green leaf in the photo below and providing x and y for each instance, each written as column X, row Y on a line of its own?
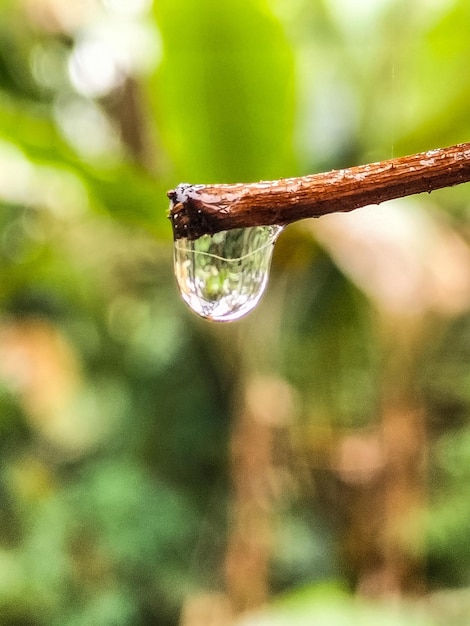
column 229, row 116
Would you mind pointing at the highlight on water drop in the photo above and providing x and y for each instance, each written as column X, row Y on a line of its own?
column 222, row 277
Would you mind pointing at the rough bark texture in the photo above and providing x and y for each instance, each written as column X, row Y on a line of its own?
column 196, row 210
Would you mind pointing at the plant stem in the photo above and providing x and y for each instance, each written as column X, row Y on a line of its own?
column 197, row 210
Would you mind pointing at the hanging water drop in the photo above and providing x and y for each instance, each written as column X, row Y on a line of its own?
column 222, row 277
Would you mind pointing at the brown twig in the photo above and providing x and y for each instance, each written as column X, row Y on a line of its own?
column 207, row 209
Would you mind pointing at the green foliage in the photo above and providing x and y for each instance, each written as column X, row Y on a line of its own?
column 229, row 114
column 115, row 404
column 329, row 603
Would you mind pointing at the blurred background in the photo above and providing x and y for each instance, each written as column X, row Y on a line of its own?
column 308, row 464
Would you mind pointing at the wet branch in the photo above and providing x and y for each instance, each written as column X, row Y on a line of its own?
column 197, row 210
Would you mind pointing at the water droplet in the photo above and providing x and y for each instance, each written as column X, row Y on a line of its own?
column 222, row 277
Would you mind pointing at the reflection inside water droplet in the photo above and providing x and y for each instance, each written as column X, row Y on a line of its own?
column 222, row 277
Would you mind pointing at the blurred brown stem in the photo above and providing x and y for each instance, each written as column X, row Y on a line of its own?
column 197, row 210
